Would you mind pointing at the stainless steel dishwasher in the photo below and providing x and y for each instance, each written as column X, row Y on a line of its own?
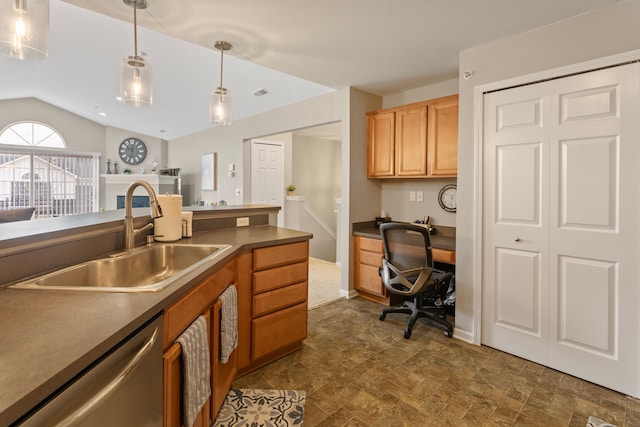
column 122, row 389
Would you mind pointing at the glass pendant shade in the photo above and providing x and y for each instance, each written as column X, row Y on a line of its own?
column 24, row 29
column 136, row 82
column 220, row 106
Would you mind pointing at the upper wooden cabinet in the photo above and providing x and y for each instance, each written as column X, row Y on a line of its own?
column 414, row 141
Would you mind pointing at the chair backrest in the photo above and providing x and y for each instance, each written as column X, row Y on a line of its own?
column 406, row 245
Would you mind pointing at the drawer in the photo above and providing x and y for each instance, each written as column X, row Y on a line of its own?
column 371, row 258
column 274, row 278
column 274, row 256
column 371, row 245
column 277, row 299
column 278, row 330
column 444, row 255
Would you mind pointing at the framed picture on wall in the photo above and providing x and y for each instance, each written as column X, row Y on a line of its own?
column 209, row 173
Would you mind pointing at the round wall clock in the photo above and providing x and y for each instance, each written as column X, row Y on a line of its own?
column 447, row 197
column 132, row 151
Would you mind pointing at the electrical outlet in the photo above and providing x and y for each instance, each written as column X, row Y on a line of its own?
column 420, row 196
column 412, row 196
column 242, row 222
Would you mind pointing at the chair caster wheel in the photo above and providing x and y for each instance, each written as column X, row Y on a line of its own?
column 448, row 333
column 406, row 334
column 382, row 316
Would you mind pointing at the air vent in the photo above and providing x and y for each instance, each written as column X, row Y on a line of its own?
column 260, row 92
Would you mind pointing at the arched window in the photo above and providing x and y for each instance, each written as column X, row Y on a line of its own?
column 31, row 134
column 36, row 170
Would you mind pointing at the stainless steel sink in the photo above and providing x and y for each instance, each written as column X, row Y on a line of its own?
column 148, row 269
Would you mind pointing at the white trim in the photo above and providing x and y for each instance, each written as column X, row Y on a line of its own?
column 31, row 149
column 463, row 335
column 479, row 91
column 349, row 294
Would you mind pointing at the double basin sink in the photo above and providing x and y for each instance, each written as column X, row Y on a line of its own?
column 147, row 269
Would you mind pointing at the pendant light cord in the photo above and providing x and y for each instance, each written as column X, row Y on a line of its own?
column 135, row 28
column 221, row 62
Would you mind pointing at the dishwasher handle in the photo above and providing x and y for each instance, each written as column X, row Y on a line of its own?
column 122, row 375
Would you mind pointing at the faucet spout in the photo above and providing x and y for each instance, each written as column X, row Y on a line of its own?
column 156, row 212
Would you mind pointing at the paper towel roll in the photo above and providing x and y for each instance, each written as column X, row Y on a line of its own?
column 168, row 228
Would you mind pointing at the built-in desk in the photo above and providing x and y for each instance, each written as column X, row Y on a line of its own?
column 368, row 254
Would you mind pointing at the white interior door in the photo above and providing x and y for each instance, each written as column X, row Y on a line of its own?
column 267, row 175
column 561, row 212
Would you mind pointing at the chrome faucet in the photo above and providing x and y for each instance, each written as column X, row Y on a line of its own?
column 156, row 212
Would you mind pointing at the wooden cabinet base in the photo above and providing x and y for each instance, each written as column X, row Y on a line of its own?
column 388, row 300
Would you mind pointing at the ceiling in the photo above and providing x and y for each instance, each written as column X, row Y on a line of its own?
column 292, row 48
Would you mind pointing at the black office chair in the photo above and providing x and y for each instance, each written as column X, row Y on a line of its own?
column 407, row 271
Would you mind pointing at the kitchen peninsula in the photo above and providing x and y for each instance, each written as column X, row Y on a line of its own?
column 49, row 337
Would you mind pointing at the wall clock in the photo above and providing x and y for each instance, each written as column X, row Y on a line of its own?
column 132, row 151
column 447, row 197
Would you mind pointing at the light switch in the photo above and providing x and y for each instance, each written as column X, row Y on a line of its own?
column 412, row 196
column 419, row 196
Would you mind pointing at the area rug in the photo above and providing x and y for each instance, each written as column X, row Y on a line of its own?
column 262, row 408
column 597, row 422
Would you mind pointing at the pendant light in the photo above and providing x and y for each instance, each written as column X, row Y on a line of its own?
column 136, row 75
column 24, row 29
column 220, row 106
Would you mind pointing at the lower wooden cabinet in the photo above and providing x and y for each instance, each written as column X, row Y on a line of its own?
column 272, row 284
column 200, row 300
column 173, row 366
column 279, row 303
column 367, row 261
column 222, row 373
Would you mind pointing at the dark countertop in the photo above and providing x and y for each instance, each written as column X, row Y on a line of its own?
column 49, row 337
column 443, row 238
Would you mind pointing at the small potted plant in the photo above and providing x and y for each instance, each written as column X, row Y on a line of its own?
column 290, row 189
column 126, row 171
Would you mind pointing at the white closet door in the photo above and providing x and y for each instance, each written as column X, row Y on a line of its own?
column 562, row 258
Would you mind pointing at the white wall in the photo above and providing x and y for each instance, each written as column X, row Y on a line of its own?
column 436, row 90
column 608, row 31
column 396, row 204
column 80, row 134
column 317, row 174
column 228, row 142
column 361, row 197
column 113, row 138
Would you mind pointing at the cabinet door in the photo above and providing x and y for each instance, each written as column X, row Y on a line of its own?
column 380, row 144
column 443, row 137
column 369, row 280
column 368, row 259
column 173, row 367
column 222, row 373
column 411, row 141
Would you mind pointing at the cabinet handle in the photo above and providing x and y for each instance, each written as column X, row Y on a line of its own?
column 517, row 239
column 135, row 360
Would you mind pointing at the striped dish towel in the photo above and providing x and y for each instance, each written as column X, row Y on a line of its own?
column 228, row 322
column 197, row 369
